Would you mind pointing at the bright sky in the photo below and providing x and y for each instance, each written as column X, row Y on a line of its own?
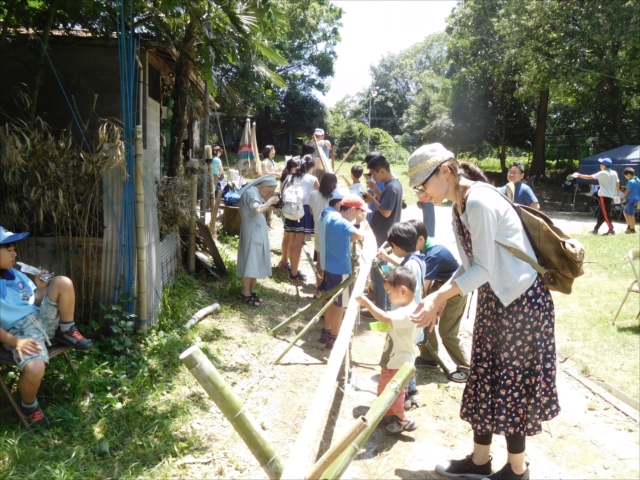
column 371, row 29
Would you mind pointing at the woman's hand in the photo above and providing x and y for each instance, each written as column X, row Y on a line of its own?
column 27, row 346
column 427, row 311
column 40, row 283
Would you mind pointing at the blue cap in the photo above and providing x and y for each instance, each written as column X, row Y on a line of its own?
column 606, row 161
column 338, row 194
column 7, row 237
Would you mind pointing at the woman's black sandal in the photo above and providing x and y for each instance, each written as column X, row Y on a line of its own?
column 249, row 299
column 255, row 295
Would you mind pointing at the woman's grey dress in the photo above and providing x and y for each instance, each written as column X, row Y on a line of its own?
column 254, row 257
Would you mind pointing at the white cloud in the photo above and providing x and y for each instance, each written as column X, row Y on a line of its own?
column 372, row 29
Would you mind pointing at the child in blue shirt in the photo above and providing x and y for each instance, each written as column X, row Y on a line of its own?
column 31, row 314
column 338, row 232
column 632, row 197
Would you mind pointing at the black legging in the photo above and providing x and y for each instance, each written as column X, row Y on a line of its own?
column 515, row 442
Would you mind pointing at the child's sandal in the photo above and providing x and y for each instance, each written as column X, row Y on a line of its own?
column 249, row 300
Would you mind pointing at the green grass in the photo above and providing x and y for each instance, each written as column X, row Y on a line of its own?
column 583, row 319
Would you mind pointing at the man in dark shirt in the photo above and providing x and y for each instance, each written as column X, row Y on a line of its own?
column 388, row 203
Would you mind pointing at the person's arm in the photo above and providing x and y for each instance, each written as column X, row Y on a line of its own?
column 535, row 205
column 585, row 177
column 617, row 189
column 372, row 185
column 344, row 177
column 268, row 205
column 316, row 185
column 429, row 308
column 379, row 314
column 22, row 345
column 388, row 258
column 357, row 235
column 371, row 199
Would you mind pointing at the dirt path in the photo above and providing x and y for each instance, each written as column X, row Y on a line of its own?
column 589, row 439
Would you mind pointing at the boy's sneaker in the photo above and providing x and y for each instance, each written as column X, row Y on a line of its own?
column 630, row 230
column 74, row 339
column 421, row 362
column 465, row 468
column 36, row 417
column 330, row 342
column 411, row 399
column 325, row 336
column 506, row 473
column 610, row 232
column 398, row 426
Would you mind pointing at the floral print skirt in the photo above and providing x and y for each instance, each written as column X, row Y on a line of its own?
column 512, row 382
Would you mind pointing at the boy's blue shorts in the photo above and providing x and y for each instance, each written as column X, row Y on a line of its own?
column 48, row 318
column 630, row 206
column 333, row 279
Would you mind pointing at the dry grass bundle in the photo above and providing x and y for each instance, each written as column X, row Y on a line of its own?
column 51, row 186
column 174, row 203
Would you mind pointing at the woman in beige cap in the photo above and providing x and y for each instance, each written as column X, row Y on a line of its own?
column 511, row 388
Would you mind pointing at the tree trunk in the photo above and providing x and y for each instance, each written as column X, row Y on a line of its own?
column 7, row 23
column 179, row 95
column 51, row 13
column 539, row 162
column 207, row 115
column 617, row 112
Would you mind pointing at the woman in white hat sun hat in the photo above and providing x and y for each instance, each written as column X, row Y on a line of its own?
column 511, row 388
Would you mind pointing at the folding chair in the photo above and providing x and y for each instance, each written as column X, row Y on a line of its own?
column 6, row 358
column 633, row 255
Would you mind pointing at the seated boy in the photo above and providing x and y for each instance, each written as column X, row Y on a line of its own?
column 355, row 186
column 339, row 232
column 399, row 346
column 440, row 266
column 30, row 315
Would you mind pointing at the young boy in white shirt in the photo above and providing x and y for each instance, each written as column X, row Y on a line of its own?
column 355, row 186
column 399, row 346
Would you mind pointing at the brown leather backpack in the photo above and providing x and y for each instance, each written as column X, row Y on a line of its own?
column 559, row 257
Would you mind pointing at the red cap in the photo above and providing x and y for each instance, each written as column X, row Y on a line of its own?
column 354, row 201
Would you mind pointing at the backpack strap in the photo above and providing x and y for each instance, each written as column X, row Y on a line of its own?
column 512, row 250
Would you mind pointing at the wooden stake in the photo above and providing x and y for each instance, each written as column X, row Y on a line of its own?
column 315, row 319
column 337, row 448
column 311, row 306
column 323, row 158
column 232, row 407
column 312, row 263
column 378, row 410
column 192, row 219
column 214, row 214
column 344, row 159
column 141, row 292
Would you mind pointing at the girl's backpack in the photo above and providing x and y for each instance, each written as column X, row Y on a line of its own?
column 292, row 207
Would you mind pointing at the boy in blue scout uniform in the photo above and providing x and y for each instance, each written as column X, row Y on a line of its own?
column 31, row 314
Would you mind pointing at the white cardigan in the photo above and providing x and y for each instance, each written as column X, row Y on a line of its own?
column 489, row 217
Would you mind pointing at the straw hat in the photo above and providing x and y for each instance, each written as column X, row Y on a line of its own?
column 425, row 160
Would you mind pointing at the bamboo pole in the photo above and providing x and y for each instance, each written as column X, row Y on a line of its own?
column 315, row 319
column 299, row 459
column 311, row 306
column 214, row 214
column 200, row 314
column 232, row 407
column 337, row 448
column 192, row 219
column 254, row 143
column 312, row 263
column 323, row 157
column 141, row 293
column 208, row 160
column 345, row 158
column 378, row 410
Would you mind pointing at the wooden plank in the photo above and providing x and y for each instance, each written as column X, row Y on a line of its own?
column 307, row 442
column 205, row 234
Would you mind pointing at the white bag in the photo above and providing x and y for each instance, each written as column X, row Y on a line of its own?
column 292, row 207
